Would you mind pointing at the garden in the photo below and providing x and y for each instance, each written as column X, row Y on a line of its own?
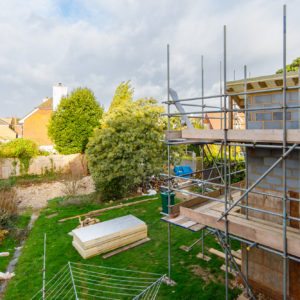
column 194, row 277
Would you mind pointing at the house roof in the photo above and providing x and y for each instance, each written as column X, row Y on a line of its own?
column 3, row 122
column 47, row 104
column 260, row 84
column 7, row 120
column 6, row 133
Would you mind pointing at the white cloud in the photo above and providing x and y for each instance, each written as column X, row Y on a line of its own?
column 98, row 44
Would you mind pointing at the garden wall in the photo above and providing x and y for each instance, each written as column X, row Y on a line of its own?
column 73, row 164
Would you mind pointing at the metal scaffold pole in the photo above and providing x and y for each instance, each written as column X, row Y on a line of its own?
column 169, row 163
column 285, row 259
column 225, row 165
column 246, row 167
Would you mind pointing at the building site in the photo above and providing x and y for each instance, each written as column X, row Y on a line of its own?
column 262, row 211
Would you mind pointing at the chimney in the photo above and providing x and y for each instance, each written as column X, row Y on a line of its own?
column 59, row 91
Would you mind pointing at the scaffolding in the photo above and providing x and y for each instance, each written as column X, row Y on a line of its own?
column 216, row 215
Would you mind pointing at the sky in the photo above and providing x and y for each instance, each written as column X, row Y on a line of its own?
column 98, row 44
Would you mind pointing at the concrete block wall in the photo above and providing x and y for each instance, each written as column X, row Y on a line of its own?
column 272, row 119
column 260, row 159
column 265, row 268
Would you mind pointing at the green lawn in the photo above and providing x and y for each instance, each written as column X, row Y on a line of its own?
column 16, row 232
column 195, row 279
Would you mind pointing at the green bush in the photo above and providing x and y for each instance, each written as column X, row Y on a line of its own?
column 21, row 149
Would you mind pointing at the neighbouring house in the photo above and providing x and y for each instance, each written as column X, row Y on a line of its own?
column 6, row 132
column 34, row 125
column 216, row 120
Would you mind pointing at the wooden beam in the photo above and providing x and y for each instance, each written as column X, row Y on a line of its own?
column 251, row 230
column 143, row 241
column 262, row 84
column 173, row 135
column 222, row 255
column 279, row 82
column 248, row 135
column 96, row 212
column 249, row 86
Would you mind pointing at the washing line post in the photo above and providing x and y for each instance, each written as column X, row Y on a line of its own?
column 73, row 282
column 44, row 267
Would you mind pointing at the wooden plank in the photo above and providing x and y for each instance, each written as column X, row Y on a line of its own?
column 223, row 268
column 222, row 255
column 197, row 227
column 200, row 200
column 126, row 248
column 294, row 209
column 249, row 135
column 204, row 257
column 248, row 229
column 173, row 135
column 93, row 212
column 188, row 224
column 237, row 254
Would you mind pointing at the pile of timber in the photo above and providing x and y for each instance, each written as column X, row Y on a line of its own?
column 109, row 235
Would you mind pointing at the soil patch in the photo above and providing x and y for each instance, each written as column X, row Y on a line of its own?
column 37, row 195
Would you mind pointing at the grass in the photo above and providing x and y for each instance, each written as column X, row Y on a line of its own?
column 11, row 241
column 195, row 279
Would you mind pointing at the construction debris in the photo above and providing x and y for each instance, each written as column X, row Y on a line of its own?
column 87, row 222
column 109, row 235
column 96, row 212
column 4, row 254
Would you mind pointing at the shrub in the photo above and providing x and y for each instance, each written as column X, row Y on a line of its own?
column 21, row 149
column 3, row 233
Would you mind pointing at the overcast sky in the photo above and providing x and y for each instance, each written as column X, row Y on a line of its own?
column 98, row 44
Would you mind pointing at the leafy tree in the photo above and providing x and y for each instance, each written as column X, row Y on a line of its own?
column 294, row 66
column 123, row 94
column 73, row 122
column 126, row 150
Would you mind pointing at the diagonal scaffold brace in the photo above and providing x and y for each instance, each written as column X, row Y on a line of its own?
column 284, row 156
column 225, row 248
